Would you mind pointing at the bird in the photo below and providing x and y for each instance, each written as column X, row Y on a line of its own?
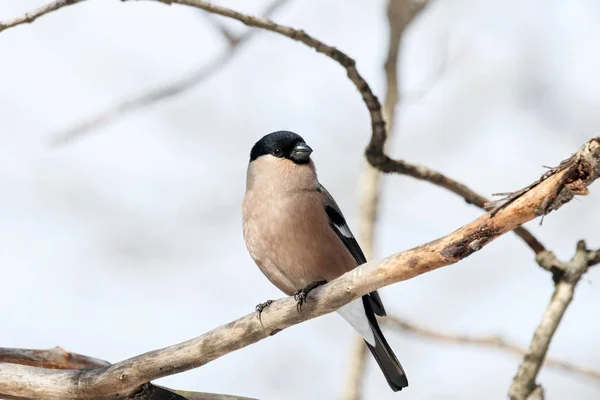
column 297, row 235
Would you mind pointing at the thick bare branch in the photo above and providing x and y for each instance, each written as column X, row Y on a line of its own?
column 168, row 91
column 484, row 341
column 59, row 358
column 55, row 358
column 524, row 386
column 29, row 17
column 125, row 377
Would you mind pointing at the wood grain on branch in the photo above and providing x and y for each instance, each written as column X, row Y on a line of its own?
column 524, row 384
column 125, row 377
column 55, row 358
column 59, row 358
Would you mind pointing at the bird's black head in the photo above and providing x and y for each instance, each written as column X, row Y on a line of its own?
column 282, row 144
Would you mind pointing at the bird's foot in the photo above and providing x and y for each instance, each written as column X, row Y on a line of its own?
column 260, row 307
column 301, row 295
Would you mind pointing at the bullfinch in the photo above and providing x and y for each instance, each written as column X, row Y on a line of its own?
column 299, row 238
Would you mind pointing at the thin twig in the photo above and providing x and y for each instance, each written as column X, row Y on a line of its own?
column 485, row 341
column 126, row 377
column 524, row 384
column 375, row 150
column 168, row 91
column 29, row 17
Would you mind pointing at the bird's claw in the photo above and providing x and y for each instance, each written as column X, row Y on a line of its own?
column 259, row 309
column 302, row 295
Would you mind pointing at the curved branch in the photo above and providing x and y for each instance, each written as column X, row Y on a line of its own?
column 123, row 378
column 399, row 14
column 59, row 358
column 375, row 150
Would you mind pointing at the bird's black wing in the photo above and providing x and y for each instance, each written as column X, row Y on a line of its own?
column 340, row 226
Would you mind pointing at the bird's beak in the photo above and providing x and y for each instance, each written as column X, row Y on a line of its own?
column 301, row 152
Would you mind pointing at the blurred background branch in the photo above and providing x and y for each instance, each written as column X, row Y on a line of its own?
column 375, row 151
column 497, row 342
column 399, row 14
column 59, row 358
column 170, row 90
column 566, row 275
column 126, row 377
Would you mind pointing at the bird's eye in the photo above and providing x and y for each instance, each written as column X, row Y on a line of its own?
column 278, row 152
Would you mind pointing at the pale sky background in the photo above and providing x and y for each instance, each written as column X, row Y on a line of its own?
column 130, row 239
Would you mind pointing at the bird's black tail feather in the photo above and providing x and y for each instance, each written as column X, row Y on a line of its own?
column 383, row 354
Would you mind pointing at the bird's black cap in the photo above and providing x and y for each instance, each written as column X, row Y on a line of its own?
column 282, row 144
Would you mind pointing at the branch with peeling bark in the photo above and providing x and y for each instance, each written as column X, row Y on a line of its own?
column 126, row 377
column 59, row 358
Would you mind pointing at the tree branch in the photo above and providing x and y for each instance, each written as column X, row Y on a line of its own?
column 484, row 341
column 524, row 386
column 375, row 150
column 29, row 17
column 55, row 358
column 549, row 193
column 168, row 91
column 399, row 14
column 59, row 358
column 125, row 377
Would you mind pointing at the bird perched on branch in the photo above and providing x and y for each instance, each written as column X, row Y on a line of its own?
column 299, row 238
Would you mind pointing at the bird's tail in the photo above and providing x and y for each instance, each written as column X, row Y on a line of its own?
column 383, row 354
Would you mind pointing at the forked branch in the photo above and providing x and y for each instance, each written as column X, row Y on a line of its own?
column 125, row 377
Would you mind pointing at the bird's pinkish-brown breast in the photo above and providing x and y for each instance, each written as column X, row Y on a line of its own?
column 286, row 228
